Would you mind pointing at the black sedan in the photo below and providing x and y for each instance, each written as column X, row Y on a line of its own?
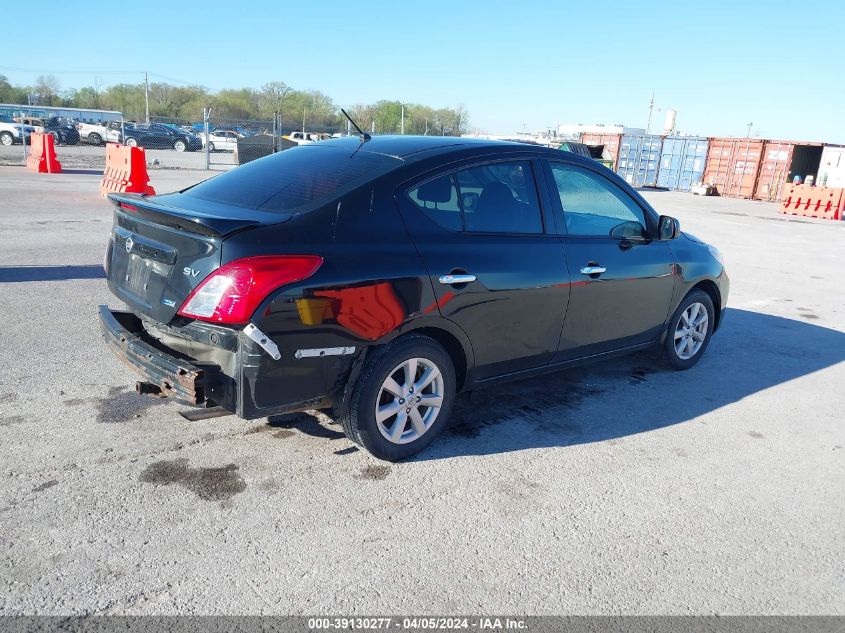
column 63, row 130
column 376, row 278
column 157, row 135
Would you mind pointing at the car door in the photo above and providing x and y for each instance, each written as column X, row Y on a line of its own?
column 495, row 269
column 143, row 136
column 165, row 137
column 622, row 278
column 154, row 137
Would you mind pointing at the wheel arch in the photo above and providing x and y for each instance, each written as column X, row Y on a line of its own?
column 447, row 334
column 454, row 347
column 709, row 286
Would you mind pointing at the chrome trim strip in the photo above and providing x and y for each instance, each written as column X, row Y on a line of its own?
column 324, row 351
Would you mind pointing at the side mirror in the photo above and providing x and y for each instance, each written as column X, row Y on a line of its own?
column 668, row 228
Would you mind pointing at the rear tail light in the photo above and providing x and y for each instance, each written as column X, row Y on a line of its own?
column 235, row 290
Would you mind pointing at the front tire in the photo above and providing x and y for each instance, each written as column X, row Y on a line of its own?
column 689, row 330
column 211, row 147
column 179, row 146
column 402, row 399
column 7, row 139
column 95, row 139
column 131, row 142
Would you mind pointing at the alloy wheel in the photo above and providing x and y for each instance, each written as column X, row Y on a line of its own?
column 691, row 331
column 409, row 400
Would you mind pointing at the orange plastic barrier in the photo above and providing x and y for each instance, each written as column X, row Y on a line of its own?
column 813, row 202
column 126, row 171
column 42, row 154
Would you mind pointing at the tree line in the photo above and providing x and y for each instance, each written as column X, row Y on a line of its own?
column 309, row 109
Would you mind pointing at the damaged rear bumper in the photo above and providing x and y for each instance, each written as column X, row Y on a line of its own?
column 174, row 377
column 207, row 366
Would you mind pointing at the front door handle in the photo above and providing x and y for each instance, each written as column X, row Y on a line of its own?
column 449, row 280
column 593, row 270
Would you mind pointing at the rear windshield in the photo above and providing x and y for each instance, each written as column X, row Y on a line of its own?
column 296, row 180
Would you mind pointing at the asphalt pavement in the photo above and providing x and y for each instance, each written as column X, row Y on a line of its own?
column 620, row 488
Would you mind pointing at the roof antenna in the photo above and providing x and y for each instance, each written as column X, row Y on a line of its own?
column 364, row 136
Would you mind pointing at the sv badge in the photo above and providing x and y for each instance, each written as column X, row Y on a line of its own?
column 190, row 272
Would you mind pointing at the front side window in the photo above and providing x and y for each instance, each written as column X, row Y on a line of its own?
column 595, row 207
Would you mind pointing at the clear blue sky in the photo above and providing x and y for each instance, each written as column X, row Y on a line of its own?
column 780, row 65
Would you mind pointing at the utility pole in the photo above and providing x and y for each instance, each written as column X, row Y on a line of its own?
column 147, row 96
column 403, row 119
column 303, row 120
column 748, row 135
column 206, row 115
column 650, row 110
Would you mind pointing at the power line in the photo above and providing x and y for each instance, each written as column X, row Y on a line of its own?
column 173, row 79
column 72, row 72
column 56, row 71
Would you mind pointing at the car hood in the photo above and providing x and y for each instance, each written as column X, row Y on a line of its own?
column 692, row 238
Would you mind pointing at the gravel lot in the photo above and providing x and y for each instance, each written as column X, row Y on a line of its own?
column 619, row 488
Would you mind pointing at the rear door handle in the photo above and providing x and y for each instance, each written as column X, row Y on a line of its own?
column 449, row 280
column 593, row 270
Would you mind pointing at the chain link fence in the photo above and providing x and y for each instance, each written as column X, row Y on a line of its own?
column 210, row 142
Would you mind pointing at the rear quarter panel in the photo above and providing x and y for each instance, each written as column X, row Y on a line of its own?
column 371, row 288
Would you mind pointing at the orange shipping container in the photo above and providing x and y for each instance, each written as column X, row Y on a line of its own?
column 782, row 161
column 610, row 142
column 733, row 165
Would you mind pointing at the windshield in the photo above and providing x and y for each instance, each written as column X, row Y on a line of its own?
column 296, row 180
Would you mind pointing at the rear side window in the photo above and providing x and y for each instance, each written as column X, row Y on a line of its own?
column 438, row 199
column 500, row 198
column 296, row 180
column 491, row 198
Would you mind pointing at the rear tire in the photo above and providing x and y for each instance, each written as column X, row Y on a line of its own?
column 689, row 332
column 388, row 414
column 131, row 142
column 211, row 147
column 7, row 139
column 95, row 139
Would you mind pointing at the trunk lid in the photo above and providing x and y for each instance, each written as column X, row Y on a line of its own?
column 162, row 247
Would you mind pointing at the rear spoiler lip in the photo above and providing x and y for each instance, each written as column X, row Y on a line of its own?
column 184, row 219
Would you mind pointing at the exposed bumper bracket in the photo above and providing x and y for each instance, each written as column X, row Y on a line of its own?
column 263, row 340
column 205, row 414
column 164, row 375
